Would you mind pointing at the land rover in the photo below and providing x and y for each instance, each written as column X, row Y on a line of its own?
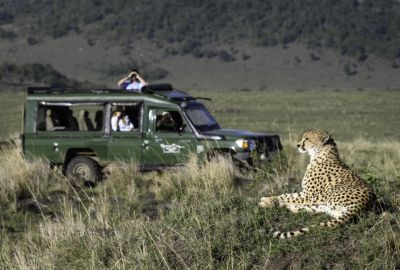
column 72, row 128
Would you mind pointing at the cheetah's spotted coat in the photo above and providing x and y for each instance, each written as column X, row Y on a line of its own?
column 329, row 185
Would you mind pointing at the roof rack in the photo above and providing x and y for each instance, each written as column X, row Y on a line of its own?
column 162, row 90
column 51, row 90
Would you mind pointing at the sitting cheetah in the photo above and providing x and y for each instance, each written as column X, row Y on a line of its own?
column 329, row 185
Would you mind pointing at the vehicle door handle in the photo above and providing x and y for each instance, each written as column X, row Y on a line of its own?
column 55, row 147
column 145, row 143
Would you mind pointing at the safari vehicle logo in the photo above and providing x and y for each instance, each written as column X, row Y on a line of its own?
column 171, row 148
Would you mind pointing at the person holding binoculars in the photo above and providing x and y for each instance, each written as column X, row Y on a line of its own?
column 132, row 82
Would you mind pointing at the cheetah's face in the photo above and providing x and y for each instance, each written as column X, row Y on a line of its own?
column 312, row 141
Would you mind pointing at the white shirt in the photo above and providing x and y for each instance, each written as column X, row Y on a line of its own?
column 114, row 123
column 134, row 86
column 125, row 125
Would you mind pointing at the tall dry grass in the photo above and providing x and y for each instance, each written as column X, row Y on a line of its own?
column 195, row 217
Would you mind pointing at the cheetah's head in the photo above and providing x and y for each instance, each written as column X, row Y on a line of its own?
column 313, row 140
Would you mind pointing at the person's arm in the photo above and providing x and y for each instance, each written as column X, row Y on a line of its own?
column 141, row 80
column 120, row 82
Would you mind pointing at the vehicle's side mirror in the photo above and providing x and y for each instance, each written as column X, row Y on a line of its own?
column 181, row 129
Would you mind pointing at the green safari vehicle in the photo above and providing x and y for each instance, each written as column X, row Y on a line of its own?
column 84, row 129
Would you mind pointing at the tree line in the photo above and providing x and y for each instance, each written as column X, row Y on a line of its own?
column 353, row 27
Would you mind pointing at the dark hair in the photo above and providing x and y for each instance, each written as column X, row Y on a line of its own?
column 134, row 70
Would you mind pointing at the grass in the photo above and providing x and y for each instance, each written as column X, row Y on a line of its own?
column 12, row 104
column 346, row 114
column 205, row 216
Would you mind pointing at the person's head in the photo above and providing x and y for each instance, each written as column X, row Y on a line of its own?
column 167, row 118
column 117, row 113
column 133, row 74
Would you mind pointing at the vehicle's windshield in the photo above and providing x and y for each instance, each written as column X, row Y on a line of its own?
column 201, row 118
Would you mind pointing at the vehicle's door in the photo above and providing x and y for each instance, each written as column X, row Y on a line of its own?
column 124, row 125
column 167, row 140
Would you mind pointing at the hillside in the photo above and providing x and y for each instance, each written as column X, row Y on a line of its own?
column 354, row 27
column 247, row 44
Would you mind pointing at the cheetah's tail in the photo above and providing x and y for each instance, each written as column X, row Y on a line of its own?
column 329, row 224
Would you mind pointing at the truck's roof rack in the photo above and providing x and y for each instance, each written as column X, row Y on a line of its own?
column 162, row 90
column 52, row 90
column 150, row 88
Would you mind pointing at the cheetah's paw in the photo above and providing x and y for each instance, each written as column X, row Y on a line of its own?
column 266, row 201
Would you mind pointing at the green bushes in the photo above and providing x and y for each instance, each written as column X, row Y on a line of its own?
column 36, row 74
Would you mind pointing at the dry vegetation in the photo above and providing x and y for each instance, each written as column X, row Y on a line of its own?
column 203, row 216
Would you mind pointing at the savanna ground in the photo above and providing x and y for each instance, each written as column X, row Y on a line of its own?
column 205, row 216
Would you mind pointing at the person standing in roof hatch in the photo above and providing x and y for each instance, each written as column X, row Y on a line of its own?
column 133, row 81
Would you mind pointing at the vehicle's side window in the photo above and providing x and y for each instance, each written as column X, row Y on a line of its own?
column 168, row 121
column 70, row 117
column 126, row 117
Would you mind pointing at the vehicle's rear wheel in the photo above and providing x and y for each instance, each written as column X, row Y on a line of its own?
column 83, row 169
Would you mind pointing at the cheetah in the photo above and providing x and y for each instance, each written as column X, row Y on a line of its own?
column 328, row 186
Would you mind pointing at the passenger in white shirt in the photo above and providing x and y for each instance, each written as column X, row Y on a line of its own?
column 116, row 116
column 125, row 124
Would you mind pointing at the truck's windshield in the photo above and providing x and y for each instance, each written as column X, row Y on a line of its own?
column 200, row 117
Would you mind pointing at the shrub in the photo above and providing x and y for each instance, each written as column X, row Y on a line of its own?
column 4, row 34
column 224, row 56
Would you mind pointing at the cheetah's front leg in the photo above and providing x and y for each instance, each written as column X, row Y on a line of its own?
column 289, row 200
column 267, row 201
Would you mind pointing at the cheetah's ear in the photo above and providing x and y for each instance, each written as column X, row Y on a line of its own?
column 326, row 138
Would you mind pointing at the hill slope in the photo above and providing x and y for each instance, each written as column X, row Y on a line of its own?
column 207, row 44
column 355, row 27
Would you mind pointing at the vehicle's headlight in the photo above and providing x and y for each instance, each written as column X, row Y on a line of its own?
column 246, row 144
column 242, row 143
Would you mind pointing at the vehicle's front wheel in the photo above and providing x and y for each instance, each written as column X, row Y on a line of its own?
column 83, row 169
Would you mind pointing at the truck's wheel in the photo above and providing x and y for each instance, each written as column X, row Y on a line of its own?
column 83, row 169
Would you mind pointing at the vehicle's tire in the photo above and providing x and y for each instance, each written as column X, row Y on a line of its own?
column 83, row 169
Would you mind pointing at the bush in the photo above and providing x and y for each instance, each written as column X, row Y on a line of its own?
column 4, row 34
column 32, row 41
column 350, row 69
column 224, row 56
column 35, row 73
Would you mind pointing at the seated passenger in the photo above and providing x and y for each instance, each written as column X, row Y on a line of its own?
column 52, row 123
column 166, row 123
column 98, row 118
column 49, row 120
column 125, row 124
column 115, row 119
column 85, row 123
column 71, row 120
column 132, row 82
